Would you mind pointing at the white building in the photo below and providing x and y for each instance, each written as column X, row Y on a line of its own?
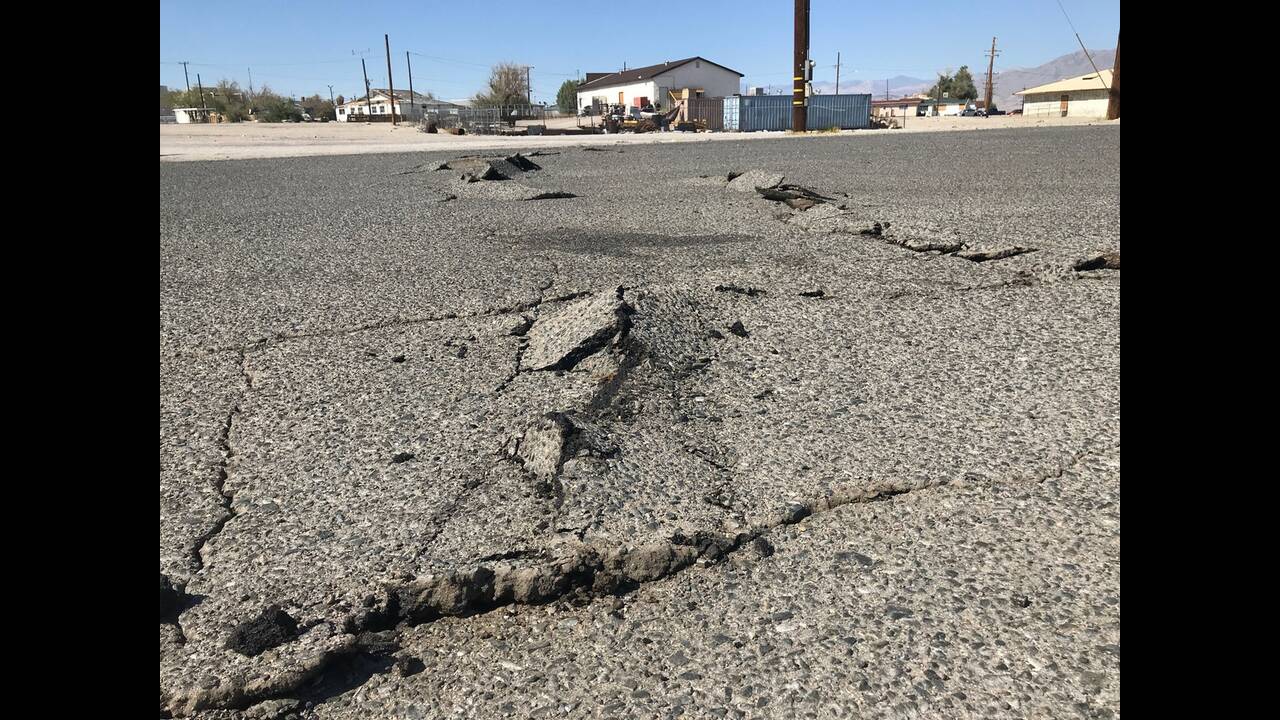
column 651, row 84
column 378, row 106
column 1084, row 96
column 191, row 115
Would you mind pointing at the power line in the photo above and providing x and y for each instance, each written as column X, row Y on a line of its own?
column 1082, row 47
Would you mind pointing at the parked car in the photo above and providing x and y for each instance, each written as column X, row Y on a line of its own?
column 973, row 112
column 996, row 112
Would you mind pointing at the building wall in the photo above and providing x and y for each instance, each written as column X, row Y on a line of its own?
column 716, row 81
column 897, row 110
column 713, row 80
column 630, row 92
column 1080, row 103
column 381, row 106
column 192, row 115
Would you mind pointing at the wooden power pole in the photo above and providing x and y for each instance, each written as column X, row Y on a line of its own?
column 368, row 96
column 409, row 62
column 991, row 66
column 799, row 111
column 1113, row 102
column 391, row 84
column 837, row 73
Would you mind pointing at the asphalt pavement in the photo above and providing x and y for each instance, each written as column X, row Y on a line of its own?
column 631, row 435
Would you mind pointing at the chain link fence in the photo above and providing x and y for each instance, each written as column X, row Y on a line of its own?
column 489, row 121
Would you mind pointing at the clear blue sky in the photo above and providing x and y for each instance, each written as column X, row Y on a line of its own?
column 300, row 48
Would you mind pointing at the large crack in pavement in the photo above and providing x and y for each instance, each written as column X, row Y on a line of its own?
column 584, row 574
column 587, row 326
column 617, row 377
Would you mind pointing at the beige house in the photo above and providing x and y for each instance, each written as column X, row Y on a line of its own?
column 380, row 103
column 908, row 106
column 1083, row 96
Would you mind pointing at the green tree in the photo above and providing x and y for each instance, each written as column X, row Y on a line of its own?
column 318, row 107
column 942, row 88
column 272, row 108
column 567, row 98
column 962, row 84
column 506, row 87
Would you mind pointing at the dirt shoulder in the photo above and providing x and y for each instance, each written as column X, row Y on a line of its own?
column 259, row 140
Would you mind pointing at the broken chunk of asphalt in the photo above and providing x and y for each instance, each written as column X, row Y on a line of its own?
column 172, row 598
column 925, row 241
column 1105, row 261
column 564, row 337
column 784, row 193
column 750, row 291
column 813, row 294
column 552, row 195
column 398, row 359
column 481, row 169
column 402, row 457
column 977, row 255
column 522, row 162
column 272, row 628
column 753, row 180
column 737, row 328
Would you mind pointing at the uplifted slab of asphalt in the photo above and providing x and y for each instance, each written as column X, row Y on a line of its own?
column 392, row 419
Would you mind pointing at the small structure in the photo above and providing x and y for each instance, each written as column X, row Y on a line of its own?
column 654, row 83
column 944, row 106
column 380, row 104
column 191, row 115
column 1083, row 96
column 908, row 106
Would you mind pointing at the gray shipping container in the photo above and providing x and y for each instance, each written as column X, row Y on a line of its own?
column 847, row 112
column 773, row 112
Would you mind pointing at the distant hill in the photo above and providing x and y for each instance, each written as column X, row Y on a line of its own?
column 1008, row 82
column 898, row 86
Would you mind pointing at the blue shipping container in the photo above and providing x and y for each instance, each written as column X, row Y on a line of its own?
column 773, row 112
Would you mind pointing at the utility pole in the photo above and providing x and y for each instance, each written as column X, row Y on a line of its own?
column 528, row 86
column 1113, row 102
column 412, row 97
column 991, row 65
column 799, row 111
column 250, row 82
column 186, row 77
column 391, row 87
column 201, row 86
column 837, row 73
column 368, row 99
column 886, row 89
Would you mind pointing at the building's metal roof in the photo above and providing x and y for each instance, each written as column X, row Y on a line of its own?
column 1092, row 81
column 633, row 75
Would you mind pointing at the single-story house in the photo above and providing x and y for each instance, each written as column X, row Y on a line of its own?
column 1083, row 96
column 908, row 106
column 191, row 115
column 380, row 103
column 653, row 83
column 945, row 106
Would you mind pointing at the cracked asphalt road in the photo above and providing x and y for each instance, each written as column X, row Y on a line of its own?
column 664, row 449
